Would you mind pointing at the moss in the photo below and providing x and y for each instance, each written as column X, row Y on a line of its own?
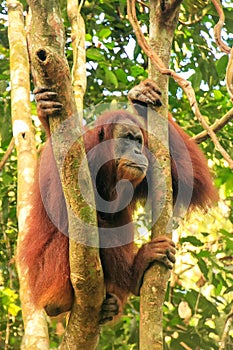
column 87, row 214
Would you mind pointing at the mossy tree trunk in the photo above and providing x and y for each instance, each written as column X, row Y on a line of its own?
column 50, row 69
column 163, row 20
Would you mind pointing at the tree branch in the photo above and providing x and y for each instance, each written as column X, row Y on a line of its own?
column 229, row 75
column 218, row 28
column 7, row 154
column 226, row 330
column 184, row 84
column 79, row 79
column 143, row 4
column 217, row 126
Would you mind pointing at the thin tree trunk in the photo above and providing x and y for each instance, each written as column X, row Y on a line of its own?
column 78, row 32
column 35, row 325
column 155, row 280
column 229, row 75
column 50, row 69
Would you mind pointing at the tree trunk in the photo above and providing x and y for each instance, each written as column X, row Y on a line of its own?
column 35, row 325
column 79, row 77
column 50, row 69
column 155, row 280
column 229, row 75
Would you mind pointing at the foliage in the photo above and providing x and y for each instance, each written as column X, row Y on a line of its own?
column 200, row 293
column 124, row 334
column 199, row 296
column 11, row 320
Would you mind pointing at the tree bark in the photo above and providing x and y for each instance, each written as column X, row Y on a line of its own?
column 79, row 77
column 229, row 75
column 155, row 280
column 50, row 69
column 35, row 325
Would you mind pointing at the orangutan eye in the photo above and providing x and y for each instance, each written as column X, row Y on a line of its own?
column 139, row 140
column 130, row 137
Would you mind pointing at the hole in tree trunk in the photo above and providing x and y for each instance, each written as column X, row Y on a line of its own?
column 42, row 55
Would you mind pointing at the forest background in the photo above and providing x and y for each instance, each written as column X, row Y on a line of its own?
column 198, row 308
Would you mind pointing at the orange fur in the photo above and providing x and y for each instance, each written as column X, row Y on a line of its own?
column 45, row 248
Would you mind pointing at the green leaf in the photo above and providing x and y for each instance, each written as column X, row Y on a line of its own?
column 14, row 309
column 104, row 33
column 229, row 244
column 136, row 70
column 193, row 240
column 221, row 65
column 203, row 254
column 3, row 86
column 88, row 37
column 110, row 46
column 121, row 75
column 95, row 54
column 196, row 79
column 226, row 233
column 204, row 305
column 203, row 267
column 218, row 95
column 111, row 78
